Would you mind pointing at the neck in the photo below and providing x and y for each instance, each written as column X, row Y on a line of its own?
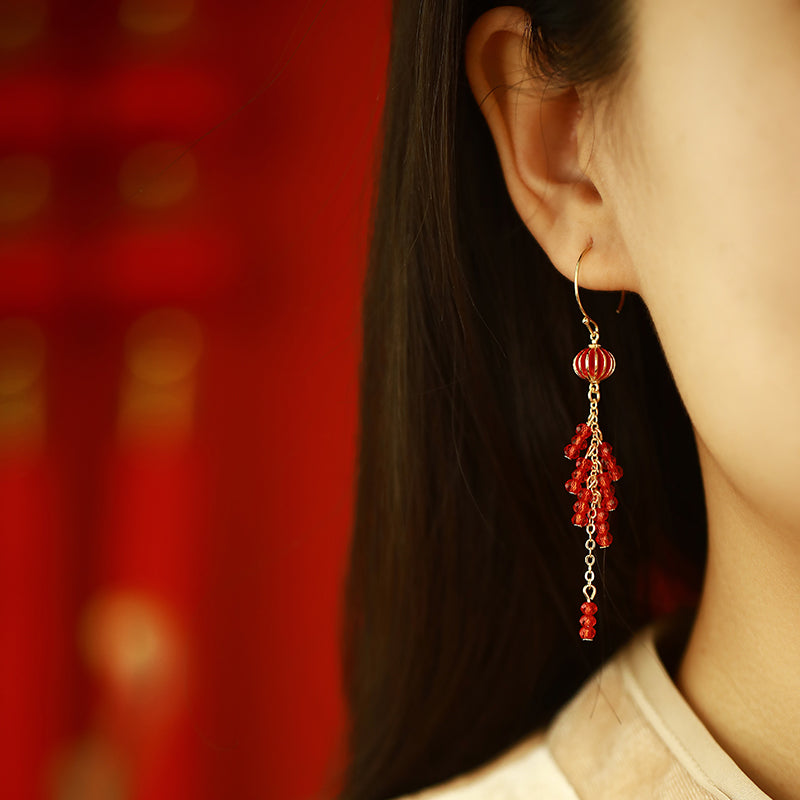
column 740, row 668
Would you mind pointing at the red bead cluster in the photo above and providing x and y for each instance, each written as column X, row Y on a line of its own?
column 577, row 484
column 578, row 444
column 588, row 620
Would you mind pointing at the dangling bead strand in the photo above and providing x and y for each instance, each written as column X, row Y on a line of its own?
column 588, row 620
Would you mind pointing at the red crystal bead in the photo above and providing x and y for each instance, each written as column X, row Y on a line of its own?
column 573, row 486
column 580, row 520
column 611, row 503
column 579, row 507
column 583, row 430
column 604, row 539
column 588, row 621
column 615, row 472
column 601, row 515
column 594, row 364
column 589, row 608
column 587, row 633
column 604, row 449
column 571, row 450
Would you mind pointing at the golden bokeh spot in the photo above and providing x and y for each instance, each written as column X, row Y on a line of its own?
column 130, row 640
column 22, row 393
column 22, row 355
column 24, row 187
column 155, row 17
column 89, row 769
column 164, row 346
column 156, row 175
column 21, row 22
column 157, row 397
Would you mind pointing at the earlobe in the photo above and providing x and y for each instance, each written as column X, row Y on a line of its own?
column 544, row 136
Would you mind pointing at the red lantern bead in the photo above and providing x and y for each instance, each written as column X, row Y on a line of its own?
column 589, row 608
column 594, row 363
column 587, row 634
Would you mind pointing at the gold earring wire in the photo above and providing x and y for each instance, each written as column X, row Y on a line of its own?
column 587, row 320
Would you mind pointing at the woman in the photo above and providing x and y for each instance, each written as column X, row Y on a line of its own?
column 656, row 141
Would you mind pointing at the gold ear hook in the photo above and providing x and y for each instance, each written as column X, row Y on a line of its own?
column 594, row 330
column 587, row 320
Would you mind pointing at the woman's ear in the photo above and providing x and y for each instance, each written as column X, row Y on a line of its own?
column 545, row 137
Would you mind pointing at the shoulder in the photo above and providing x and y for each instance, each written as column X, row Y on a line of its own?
column 526, row 770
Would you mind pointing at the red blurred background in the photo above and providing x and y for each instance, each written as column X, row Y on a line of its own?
column 184, row 195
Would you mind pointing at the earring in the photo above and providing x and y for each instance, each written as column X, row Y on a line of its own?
column 597, row 469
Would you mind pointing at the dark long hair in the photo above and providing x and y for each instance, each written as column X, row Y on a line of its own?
column 465, row 573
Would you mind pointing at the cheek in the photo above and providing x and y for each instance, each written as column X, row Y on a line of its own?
column 712, row 224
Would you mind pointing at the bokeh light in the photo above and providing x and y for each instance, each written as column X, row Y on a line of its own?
column 162, row 352
column 89, row 769
column 155, row 17
column 24, row 187
column 22, row 361
column 131, row 641
column 22, row 352
column 157, row 175
column 21, row 22
column 164, row 346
